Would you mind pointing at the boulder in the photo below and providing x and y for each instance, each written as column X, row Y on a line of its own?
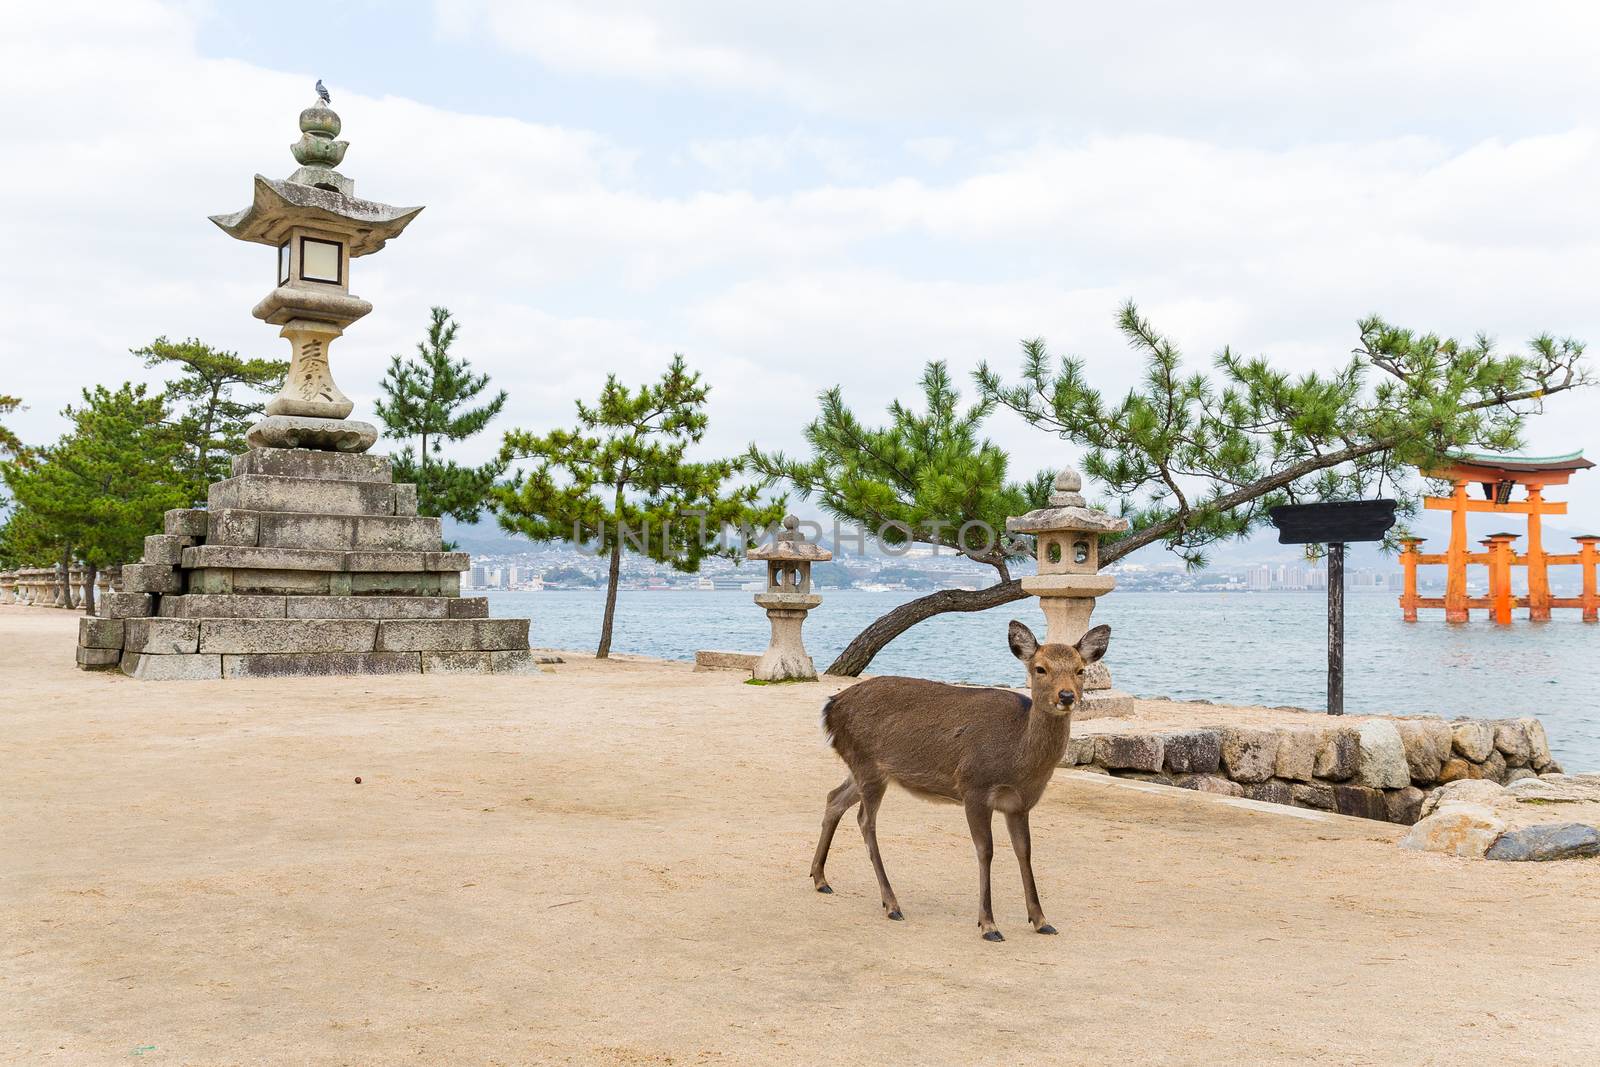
column 1404, row 806
column 1549, row 841
column 1338, row 752
column 1453, row 769
column 1192, row 752
column 1312, row 796
column 1131, row 752
column 1249, row 753
column 1538, row 742
column 1382, row 764
column 1272, row 791
column 1144, row 776
column 1552, row 789
column 1427, row 744
column 1456, row 830
column 1473, row 740
column 1080, row 750
column 1511, row 740
column 1494, row 768
column 1297, row 753
column 1517, row 774
column 1464, row 791
column 1209, row 783
column 1360, row 801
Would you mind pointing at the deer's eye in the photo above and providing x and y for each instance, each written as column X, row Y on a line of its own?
column 1038, row 670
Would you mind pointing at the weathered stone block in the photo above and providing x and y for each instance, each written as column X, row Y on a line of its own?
column 123, row 605
column 1192, row 752
column 1538, row 742
column 222, row 606
column 268, row 582
column 514, row 661
column 237, row 557
column 99, row 633
column 1427, row 743
column 234, row 527
column 1080, row 750
column 1297, row 753
column 211, row 582
column 369, row 607
column 449, row 583
column 152, row 578
column 1458, row 830
column 1360, row 801
column 1250, row 754
column 310, row 463
column 165, row 549
column 300, row 664
column 1272, row 791
column 185, row 522
column 1209, row 783
column 404, row 500
column 175, row 668
column 446, row 561
column 1454, row 769
column 399, row 533
column 1517, row 774
column 260, row 492
column 1382, row 762
column 1403, row 805
column 452, row 635
column 1511, row 741
column 1338, row 752
column 239, row 636
column 1473, row 740
column 1466, row 791
column 421, row 583
column 94, row 659
column 1312, row 796
column 161, row 636
column 456, row 663
column 1137, row 752
column 1550, row 841
column 467, row 607
column 1149, row 777
column 386, row 562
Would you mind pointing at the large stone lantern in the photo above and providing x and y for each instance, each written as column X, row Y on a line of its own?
column 1067, row 538
column 317, row 225
column 787, row 599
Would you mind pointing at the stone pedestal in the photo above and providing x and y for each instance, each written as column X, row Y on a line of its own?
column 785, row 658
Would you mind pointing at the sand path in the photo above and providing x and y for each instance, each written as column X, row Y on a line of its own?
column 608, row 865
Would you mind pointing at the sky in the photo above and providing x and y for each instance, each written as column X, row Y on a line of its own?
column 802, row 196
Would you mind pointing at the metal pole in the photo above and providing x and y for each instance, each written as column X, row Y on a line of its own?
column 1336, row 628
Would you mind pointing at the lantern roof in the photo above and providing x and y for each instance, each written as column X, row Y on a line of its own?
column 790, row 546
column 316, row 195
column 1067, row 511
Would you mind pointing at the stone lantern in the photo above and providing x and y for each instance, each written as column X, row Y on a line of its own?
column 787, row 599
column 1067, row 538
column 317, row 225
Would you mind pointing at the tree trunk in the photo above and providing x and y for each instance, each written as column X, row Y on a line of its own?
column 869, row 642
column 91, row 574
column 66, row 577
column 611, row 598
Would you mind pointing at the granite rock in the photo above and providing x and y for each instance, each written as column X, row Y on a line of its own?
column 1138, row 752
column 1250, row 754
column 1338, row 752
column 1473, row 740
column 1382, row 762
column 1297, row 753
column 1548, row 841
column 1456, row 830
column 1192, row 752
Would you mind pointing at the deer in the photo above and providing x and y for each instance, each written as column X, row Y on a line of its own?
column 986, row 749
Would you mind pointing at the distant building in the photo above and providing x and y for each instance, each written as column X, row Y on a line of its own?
column 1258, row 578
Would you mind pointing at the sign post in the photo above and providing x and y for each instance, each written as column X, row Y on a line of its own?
column 1334, row 523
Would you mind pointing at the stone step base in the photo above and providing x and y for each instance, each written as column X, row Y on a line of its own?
column 312, row 463
column 203, row 666
column 233, row 557
column 238, row 527
column 315, row 496
column 238, row 636
column 248, row 606
column 218, row 581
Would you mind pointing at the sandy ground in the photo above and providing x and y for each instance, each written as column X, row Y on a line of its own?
column 608, row 865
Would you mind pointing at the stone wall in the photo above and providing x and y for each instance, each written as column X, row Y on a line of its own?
column 1375, row 768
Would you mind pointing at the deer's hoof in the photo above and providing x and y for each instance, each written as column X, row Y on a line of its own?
column 994, row 935
column 824, row 888
column 1047, row 929
column 896, row 916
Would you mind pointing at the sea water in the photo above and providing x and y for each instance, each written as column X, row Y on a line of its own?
column 1232, row 648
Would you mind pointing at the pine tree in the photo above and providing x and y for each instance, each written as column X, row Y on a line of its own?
column 211, row 420
column 96, row 493
column 1191, row 459
column 620, row 480
column 427, row 399
column 10, row 443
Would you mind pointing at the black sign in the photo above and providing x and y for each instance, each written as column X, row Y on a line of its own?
column 1335, row 521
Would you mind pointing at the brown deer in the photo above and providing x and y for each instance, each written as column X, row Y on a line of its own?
column 981, row 748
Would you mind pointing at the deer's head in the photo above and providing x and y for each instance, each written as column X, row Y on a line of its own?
column 1055, row 672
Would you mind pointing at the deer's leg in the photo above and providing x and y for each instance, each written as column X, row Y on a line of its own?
column 840, row 801
column 1022, row 844
column 871, row 796
column 980, row 820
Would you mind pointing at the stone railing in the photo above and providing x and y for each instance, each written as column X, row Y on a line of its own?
column 1375, row 768
column 41, row 586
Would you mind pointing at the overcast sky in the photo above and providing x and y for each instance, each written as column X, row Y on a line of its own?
column 795, row 196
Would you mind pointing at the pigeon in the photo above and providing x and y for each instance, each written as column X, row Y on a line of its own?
column 322, row 93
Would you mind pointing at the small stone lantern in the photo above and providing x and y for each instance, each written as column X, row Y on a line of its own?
column 787, row 599
column 1067, row 537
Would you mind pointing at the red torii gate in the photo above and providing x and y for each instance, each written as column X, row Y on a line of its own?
column 1499, row 476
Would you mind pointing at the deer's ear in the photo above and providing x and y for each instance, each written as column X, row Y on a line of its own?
column 1023, row 643
column 1092, row 645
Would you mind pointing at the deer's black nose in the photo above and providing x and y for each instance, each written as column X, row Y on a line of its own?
column 1066, row 696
